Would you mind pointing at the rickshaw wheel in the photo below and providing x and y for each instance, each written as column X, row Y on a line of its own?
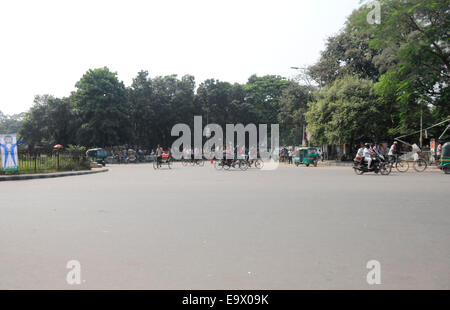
column 402, row 166
column 243, row 165
column 226, row 167
column 201, row 163
column 184, row 162
column 447, row 170
column 420, row 165
column 315, row 163
column 307, row 165
column 218, row 165
column 259, row 164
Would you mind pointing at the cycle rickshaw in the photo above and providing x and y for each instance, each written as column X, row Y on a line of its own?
column 165, row 159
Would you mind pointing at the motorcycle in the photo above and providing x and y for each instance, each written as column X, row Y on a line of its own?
column 379, row 165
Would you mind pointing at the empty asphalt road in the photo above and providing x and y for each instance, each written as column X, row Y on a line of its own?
column 197, row 228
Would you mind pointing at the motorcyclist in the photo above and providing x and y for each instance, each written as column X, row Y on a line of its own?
column 377, row 151
column 368, row 155
column 360, row 153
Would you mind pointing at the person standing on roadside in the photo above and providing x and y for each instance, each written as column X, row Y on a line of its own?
column 439, row 150
column 319, row 151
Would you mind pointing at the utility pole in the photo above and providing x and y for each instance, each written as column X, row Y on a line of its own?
column 421, row 127
column 303, row 135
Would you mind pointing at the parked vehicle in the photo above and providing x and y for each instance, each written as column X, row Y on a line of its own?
column 97, row 155
column 306, row 156
column 445, row 158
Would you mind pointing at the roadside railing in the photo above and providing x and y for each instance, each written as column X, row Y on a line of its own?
column 49, row 161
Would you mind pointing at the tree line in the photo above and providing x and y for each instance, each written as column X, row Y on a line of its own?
column 372, row 82
column 378, row 81
column 104, row 112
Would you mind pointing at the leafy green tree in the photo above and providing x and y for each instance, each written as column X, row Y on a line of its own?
column 407, row 56
column 183, row 101
column 143, row 116
column 102, row 106
column 50, row 121
column 345, row 112
column 414, row 58
column 174, row 102
column 263, row 94
column 2, row 122
column 35, row 128
column 224, row 103
column 293, row 106
column 347, row 53
column 10, row 124
column 214, row 99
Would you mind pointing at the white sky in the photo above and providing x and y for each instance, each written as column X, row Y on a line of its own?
column 46, row 46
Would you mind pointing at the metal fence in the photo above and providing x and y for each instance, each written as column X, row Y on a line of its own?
column 44, row 162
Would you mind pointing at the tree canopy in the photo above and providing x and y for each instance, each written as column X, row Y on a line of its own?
column 372, row 81
column 406, row 56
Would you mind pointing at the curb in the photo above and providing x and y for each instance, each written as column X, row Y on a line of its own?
column 335, row 164
column 340, row 164
column 48, row 175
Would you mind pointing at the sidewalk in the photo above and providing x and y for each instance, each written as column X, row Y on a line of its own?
column 18, row 177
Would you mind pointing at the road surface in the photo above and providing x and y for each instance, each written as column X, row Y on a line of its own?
column 198, row 228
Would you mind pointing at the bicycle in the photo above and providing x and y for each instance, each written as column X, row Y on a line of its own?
column 399, row 164
column 193, row 162
column 258, row 163
column 420, row 164
column 227, row 164
column 164, row 160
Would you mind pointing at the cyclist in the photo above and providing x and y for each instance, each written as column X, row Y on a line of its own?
column 393, row 151
column 158, row 154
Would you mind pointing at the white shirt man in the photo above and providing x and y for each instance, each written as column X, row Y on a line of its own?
column 368, row 157
column 359, row 154
column 393, row 150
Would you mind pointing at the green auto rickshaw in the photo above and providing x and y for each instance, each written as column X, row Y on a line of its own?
column 97, row 155
column 306, row 156
column 445, row 158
